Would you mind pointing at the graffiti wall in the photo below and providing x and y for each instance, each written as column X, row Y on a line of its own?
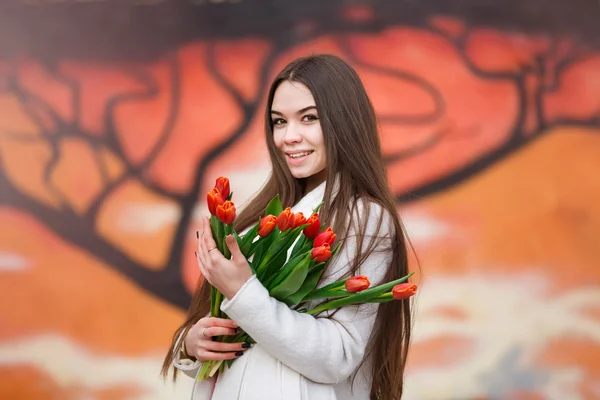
column 116, row 117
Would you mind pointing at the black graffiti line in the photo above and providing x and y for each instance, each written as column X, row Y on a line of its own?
column 430, row 89
column 249, row 110
column 456, row 177
column 78, row 232
column 29, row 101
column 166, row 131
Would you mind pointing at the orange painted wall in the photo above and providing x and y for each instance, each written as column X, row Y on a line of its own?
column 493, row 143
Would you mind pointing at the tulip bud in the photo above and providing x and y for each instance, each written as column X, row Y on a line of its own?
column 327, row 236
column 404, row 290
column 226, row 212
column 214, row 198
column 222, row 184
column 298, row 219
column 267, row 224
column 321, row 254
column 357, row 284
column 285, row 219
column 314, row 227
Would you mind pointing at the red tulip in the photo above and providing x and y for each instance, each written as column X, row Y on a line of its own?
column 327, row 236
column 357, row 284
column 321, row 254
column 404, row 290
column 214, row 199
column 222, row 184
column 267, row 224
column 285, row 219
column 298, row 219
column 314, row 227
column 226, row 212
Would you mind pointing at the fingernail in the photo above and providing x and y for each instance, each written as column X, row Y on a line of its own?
column 197, row 235
column 239, row 353
column 246, row 345
column 196, row 253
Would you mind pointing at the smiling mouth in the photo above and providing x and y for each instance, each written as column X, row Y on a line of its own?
column 299, row 155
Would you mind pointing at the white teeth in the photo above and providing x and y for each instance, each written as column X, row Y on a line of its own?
column 298, row 155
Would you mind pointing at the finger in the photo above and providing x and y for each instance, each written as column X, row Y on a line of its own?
column 225, row 347
column 208, row 238
column 209, row 355
column 199, row 254
column 232, row 244
column 202, row 249
column 203, row 271
column 218, row 331
column 223, row 322
column 201, row 264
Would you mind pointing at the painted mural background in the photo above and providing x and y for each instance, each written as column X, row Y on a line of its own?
column 116, row 117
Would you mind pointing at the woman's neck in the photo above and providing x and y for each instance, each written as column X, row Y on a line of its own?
column 313, row 182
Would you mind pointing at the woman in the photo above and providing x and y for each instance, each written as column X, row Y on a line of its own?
column 323, row 143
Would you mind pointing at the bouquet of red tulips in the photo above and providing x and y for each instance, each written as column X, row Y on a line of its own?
column 288, row 253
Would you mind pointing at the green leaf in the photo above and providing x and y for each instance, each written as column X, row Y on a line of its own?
column 316, row 209
column 384, row 298
column 274, row 279
column 299, row 245
column 326, row 294
column 366, row 296
column 228, row 231
column 282, row 244
column 293, row 281
column 274, row 266
column 335, row 250
column 218, row 231
column 326, row 291
column 260, row 247
column 274, row 207
column 239, row 241
column 311, row 281
column 247, row 239
column 333, row 289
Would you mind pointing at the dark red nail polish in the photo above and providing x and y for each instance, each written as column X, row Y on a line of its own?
column 197, row 235
column 239, row 353
column 196, row 253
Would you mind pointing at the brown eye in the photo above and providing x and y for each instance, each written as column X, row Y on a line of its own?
column 278, row 121
column 309, row 118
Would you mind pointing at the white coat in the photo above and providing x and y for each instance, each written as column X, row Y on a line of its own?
column 298, row 356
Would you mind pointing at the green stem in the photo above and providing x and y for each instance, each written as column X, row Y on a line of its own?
column 206, row 366
column 334, row 289
column 366, row 296
column 217, row 230
column 228, row 231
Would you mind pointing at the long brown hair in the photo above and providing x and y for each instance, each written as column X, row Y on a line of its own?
column 355, row 159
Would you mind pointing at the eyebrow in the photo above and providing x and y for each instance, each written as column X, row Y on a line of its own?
column 305, row 109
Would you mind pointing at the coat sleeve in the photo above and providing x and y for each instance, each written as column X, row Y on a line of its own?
column 324, row 350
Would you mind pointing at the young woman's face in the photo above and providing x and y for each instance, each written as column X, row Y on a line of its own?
column 297, row 132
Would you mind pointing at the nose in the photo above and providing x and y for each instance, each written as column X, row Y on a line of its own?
column 292, row 135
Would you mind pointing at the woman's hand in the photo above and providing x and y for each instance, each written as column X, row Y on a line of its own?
column 228, row 276
column 199, row 343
